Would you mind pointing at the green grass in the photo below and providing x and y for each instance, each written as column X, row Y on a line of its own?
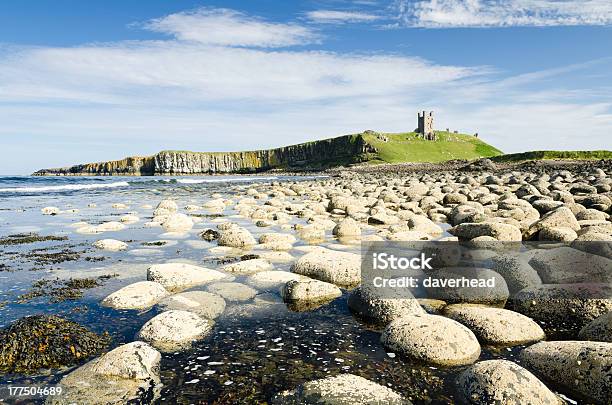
column 555, row 154
column 410, row 147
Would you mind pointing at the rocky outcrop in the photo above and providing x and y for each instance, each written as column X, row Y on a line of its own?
column 316, row 155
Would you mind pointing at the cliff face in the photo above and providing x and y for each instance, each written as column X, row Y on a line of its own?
column 317, row 154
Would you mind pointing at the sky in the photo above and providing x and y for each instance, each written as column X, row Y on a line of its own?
column 85, row 81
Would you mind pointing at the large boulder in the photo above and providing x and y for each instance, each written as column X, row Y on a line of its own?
column 312, row 234
column 383, row 218
column 599, row 329
column 309, row 290
column 178, row 276
column 204, row 304
column 236, row 236
column 179, row 223
column 50, row 210
column 128, row 373
column 498, row 230
column 432, row 339
column 581, row 367
column 111, row 245
column 502, row 382
column 558, row 304
column 267, row 280
column 421, row 223
column 516, row 271
column 340, row 389
column 348, row 227
column 248, row 266
column 557, row 234
column 232, row 291
column 384, row 306
column 174, row 330
column 496, row 326
column 459, row 288
column 560, row 217
column 139, row 295
column 168, row 205
column 567, row 265
column 341, row 268
column 272, row 237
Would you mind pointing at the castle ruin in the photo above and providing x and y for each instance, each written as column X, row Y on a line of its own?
column 425, row 127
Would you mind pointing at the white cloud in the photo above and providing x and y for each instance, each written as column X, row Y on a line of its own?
column 340, row 17
column 65, row 105
column 503, row 13
column 230, row 28
column 173, row 72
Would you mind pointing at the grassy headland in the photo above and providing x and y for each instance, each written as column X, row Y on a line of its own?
column 411, row 147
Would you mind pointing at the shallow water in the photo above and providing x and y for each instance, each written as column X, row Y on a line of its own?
column 257, row 348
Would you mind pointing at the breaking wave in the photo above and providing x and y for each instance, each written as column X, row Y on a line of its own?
column 65, row 187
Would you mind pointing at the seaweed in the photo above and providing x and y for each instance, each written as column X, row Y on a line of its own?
column 26, row 238
column 47, row 341
column 60, row 290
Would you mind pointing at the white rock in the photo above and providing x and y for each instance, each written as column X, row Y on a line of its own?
column 271, row 279
column 248, row 266
column 347, row 227
column 177, row 276
column 497, row 230
column 309, row 290
column 432, row 339
column 339, row 268
column 277, row 238
column 276, row 257
column 503, row 382
column 567, row 265
column 205, row 304
column 168, row 205
column 584, row 367
column 143, row 294
column 50, row 210
column 384, row 305
column 559, row 304
column 174, row 330
column 424, row 224
column 236, row 236
column 112, row 245
column 124, row 374
column 129, row 219
column 232, row 291
column 111, row 226
column 496, row 326
column 177, row 223
column 340, row 389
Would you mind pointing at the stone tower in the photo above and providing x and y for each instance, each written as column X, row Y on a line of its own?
column 425, row 127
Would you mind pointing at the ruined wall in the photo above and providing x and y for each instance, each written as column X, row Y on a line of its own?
column 311, row 155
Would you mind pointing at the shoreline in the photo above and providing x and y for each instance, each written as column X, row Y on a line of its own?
column 279, row 261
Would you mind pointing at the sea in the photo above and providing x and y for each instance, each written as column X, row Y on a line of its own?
column 258, row 347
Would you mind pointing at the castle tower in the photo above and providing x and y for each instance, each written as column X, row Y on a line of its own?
column 425, row 127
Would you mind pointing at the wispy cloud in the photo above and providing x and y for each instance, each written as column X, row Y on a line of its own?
column 231, row 28
column 340, row 17
column 503, row 13
column 212, row 55
column 265, row 90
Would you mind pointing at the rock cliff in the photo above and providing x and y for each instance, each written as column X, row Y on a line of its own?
column 310, row 155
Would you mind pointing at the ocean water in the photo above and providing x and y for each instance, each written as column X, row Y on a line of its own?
column 257, row 348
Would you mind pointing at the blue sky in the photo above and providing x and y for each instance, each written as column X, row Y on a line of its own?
column 99, row 80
